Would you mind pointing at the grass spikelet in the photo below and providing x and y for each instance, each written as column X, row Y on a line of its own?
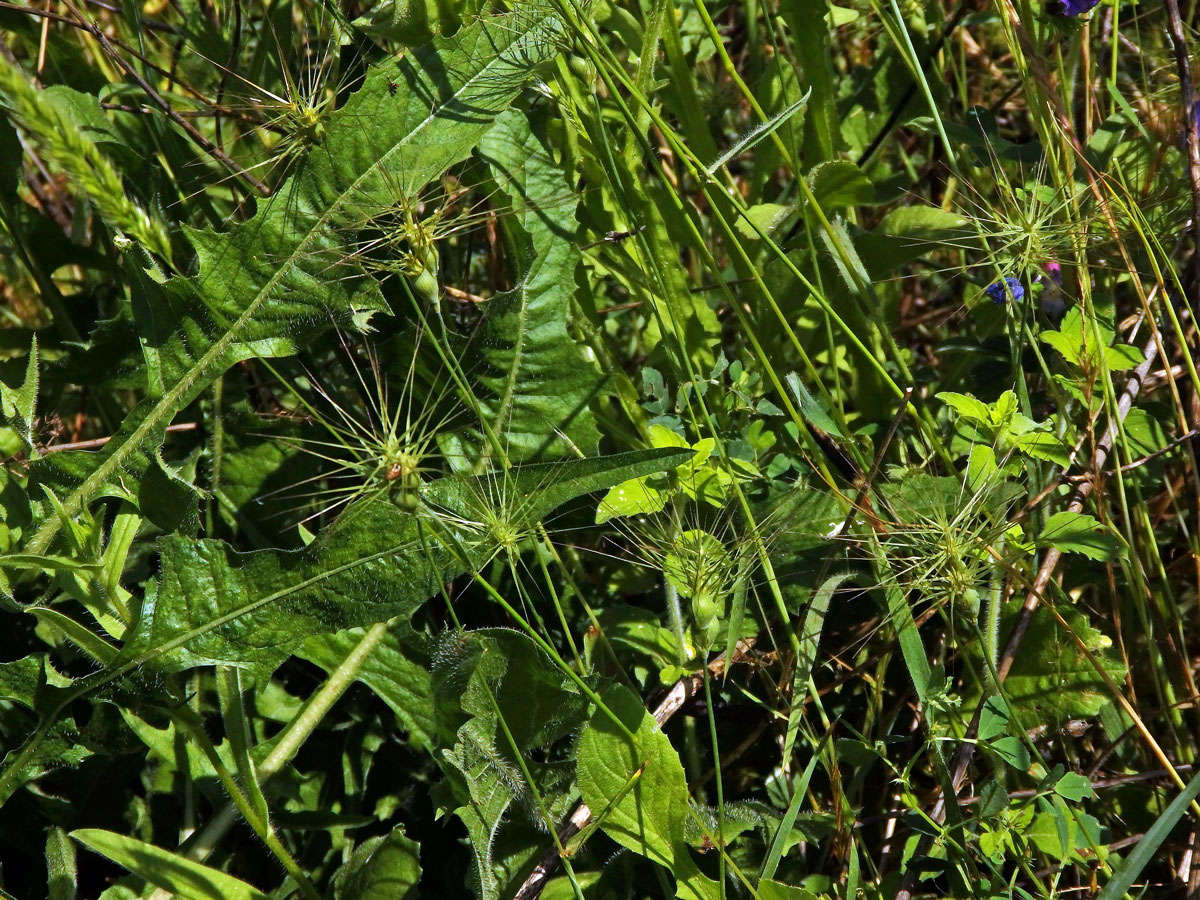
column 64, row 145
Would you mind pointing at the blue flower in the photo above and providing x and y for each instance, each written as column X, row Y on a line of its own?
column 1074, row 7
column 1000, row 291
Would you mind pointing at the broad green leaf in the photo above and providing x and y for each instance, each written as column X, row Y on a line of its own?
column 981, row 467
column 638, row 790
column 1012, row 751
column 1051, row 681
column 1122, row 357
column 214, row 604
column 766, row 216
column 993, row 719
column 1040, row 445
column 635, row 497
column 966, row 405
column 1074, row 787
column 1048, row 829
column 839, row 183
column 266, row 286
column 640, row 630
column 169, row 871
column 541, row 382
column 1076, row 340
column 1073, row 532
column 909, row 232
column 382, row 868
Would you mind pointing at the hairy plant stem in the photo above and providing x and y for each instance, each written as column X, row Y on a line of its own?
column 185, row 717
column 675, row 615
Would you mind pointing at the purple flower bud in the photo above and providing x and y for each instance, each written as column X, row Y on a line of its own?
column 1001, row 290
column 1072, row 7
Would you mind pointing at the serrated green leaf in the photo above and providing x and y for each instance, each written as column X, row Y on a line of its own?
column 499, row 695
column 1122, row 357
column 169, row 871
column 216, row 605
column 266, row 286
column 1073, row 532
column 542, row 385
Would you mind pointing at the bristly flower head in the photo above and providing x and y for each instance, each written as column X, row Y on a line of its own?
column 1002, row 290
column 1073, row 7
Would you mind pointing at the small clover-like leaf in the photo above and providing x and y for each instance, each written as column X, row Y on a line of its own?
column 1073, row 786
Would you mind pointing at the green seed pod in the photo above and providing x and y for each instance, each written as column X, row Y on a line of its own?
column 582, row 68
column 705, row 608
column 425, row 285
column 966, row 604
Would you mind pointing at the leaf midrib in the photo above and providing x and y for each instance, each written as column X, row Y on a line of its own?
column 165, row 408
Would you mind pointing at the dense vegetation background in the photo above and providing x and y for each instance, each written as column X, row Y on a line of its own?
column 658, row 449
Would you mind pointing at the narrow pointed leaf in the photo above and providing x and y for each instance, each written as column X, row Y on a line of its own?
column 177, row 874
